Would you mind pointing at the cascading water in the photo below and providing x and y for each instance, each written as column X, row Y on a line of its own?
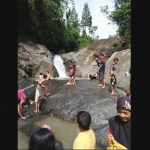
column 58, row 63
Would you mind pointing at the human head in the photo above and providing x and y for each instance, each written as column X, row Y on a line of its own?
column 41, row 73
column 116, row 60
column 95, row 74
column 42, row 139
column 83, row 120
column 44, row 76
column 35, row 83
column 47, row 72
column 102, row 58
column 124, row 108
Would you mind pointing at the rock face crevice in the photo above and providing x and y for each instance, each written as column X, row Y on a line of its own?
column 33, row 59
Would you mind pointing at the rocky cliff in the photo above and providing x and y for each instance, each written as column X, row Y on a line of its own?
column 33, row 59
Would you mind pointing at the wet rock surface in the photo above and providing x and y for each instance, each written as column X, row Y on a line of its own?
column 66, row 101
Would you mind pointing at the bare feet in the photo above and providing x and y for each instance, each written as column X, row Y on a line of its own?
column 103, row 86
column 23, row 118
column 100, row 85
column 113, row 93
column 47, row 94
column 35, row 111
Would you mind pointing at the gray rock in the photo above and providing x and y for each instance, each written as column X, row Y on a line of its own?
column 123, row 65
column 35, row 58
column 101, row 135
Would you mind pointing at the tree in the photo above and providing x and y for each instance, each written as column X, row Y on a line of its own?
column 86, row 17
column 121, row 16
column 72, row 16
column 92, row 30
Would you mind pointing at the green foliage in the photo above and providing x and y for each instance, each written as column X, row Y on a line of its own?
column 116, row 44
column 122, row 17
column 86, row 17
column 41, row 21
column 82, row 42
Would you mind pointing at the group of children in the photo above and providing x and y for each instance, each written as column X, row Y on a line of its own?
column 43, row 79
column 118, row 137
column 112, row 74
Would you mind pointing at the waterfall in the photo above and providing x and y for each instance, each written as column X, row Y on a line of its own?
column 58, row 63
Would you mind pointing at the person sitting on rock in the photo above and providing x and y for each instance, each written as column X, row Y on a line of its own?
column 120, row 125
column 38, row 94
column 42, row 139
column 71, row 74
column 48, row 75
column 19, row 109
column 42, row 82
column 91, row 77
column 74, row 77
column 86, row 138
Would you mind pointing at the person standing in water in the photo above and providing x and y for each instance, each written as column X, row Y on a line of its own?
column 101, row 65
column 38, row 94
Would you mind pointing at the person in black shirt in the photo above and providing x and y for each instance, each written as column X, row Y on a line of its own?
column 101, row 63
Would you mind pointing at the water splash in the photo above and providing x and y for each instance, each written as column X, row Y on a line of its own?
column 27, row 87
column 58, row 63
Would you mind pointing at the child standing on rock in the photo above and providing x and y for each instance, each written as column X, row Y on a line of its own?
column 38, row 94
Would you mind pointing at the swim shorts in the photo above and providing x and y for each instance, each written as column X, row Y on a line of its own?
column 36, row 98
column 101, row 75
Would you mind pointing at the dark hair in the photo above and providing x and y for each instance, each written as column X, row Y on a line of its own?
column 41, row 73
column 47, row 71
column 44, row 76
column 18, row 101
column 42, row 139
column 84, row 120
column 116, row 59
column 35, row 82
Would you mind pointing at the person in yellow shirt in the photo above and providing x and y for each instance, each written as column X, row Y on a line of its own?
column 86, row 138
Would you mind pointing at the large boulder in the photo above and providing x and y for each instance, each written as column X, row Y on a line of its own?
column 20, row 79
column 84, row 59
column 123, row 65
column 35, row 58
column 101, row 135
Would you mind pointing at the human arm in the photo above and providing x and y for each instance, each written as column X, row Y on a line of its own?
column 97, row 61
column 109, row 137
column 19, row 112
